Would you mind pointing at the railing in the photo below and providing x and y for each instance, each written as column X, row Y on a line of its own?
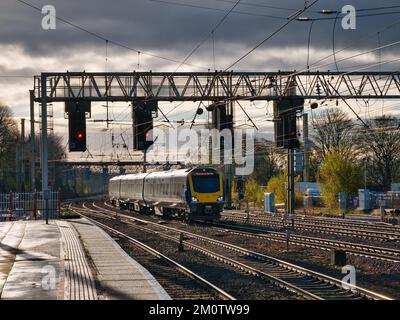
column 20, row 205
column 391, row 200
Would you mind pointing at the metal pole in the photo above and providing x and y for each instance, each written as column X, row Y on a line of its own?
column 306, row 174
column 229, row 167
column 290, row 182
column 32, row 108
column 22, row 157
column 229, row 176
column 365, row 174
column 144, row 160
column 44, row 146
column 17, row 166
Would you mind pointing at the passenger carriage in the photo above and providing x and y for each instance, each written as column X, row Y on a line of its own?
column 186, row 193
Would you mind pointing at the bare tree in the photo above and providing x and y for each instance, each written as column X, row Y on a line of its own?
column 266, row 161
column 333, row 130
column 8, row 139
column 8, row 128
column 55, row 147
column 381, row 146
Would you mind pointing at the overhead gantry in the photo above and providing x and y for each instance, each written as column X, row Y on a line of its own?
column 214, row 86
column 205, row 86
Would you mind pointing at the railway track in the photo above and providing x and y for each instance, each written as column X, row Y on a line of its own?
column 186, row 284
column 329, row 221
column 279, row 223
column 304, row 282
column 356, row 249
column 379, row 253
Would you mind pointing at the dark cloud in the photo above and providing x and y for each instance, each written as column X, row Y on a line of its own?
column 149, row 25
column 173, row 31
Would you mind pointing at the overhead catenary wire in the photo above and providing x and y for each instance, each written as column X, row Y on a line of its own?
column 343, row 59
column 257, row 14
column 314, row 11
column 316, row 62
column 214, row 28
column 353, row 43
column 359, row 16
column 273, row 34
column 174, row 3
column 259, row 5
column 333, row 41
column 292, row 18
column 368, row 67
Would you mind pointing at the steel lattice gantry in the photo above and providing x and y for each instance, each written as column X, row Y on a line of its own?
column 204, row 86
column 214, row 86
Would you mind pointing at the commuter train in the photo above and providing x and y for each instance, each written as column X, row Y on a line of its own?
column 190, row 194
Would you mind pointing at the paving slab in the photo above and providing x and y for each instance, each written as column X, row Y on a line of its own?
column 42, row 261
column 63, row 259
column 35, row 271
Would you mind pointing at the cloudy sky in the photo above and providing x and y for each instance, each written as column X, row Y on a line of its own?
column 171, row 29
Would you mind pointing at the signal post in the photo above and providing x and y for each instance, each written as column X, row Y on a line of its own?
column 285, row 121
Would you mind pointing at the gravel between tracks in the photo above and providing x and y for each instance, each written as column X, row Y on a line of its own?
column 380, row 276
column 238, row 284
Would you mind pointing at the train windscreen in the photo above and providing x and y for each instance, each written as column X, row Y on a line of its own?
column 206, row 183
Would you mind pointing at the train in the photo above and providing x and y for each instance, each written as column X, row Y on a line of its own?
column 188, row 194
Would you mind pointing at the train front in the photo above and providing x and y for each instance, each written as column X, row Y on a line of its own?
column 205, row 194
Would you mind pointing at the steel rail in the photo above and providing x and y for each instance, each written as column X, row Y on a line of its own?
column 279, row 263
column 380, row 253
column 278, row 222
column 205, row 283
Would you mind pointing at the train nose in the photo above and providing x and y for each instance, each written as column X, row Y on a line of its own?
column 208, row 209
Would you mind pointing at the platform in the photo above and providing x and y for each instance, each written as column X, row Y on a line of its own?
column 69, row 260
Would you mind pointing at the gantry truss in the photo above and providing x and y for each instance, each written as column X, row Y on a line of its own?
column 204, row 86
column 214, row 86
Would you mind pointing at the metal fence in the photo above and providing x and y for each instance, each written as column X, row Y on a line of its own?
column 20, row 205
column 390, row 200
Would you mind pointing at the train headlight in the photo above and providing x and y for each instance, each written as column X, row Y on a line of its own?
column 221, row 198
column 194, row 199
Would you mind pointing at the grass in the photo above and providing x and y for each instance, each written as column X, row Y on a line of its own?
column 67, row 214
column 336, row 212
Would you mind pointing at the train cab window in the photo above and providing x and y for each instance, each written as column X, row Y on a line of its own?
column 206, row 183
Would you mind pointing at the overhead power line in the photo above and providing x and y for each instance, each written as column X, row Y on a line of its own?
column 174, row 3
column 258, row 14
column 358, row 16
column 290, row 19
column 217, row 25
column 259, row 5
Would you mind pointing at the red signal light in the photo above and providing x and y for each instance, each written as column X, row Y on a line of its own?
column 80, row 135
